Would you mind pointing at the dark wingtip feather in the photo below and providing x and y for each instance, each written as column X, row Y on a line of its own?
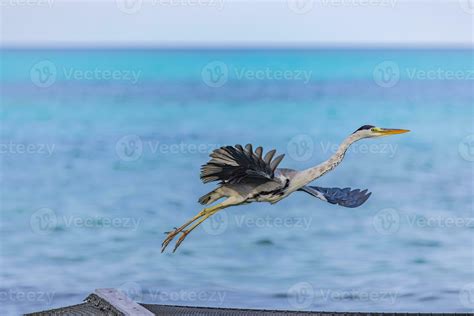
column 274, row 164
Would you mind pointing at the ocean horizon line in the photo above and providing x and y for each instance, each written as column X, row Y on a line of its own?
column 237, row 47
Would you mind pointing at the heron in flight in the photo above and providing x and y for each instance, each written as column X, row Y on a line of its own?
column 246, row 176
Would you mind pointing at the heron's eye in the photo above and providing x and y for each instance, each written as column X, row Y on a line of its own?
column 372, row 129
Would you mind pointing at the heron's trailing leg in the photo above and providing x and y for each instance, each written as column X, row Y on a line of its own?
column 201, row 216
column 176, row 231
column 187, row 231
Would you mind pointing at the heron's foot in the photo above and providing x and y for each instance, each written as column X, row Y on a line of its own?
column 175, row 228
column 169, row 238
column 181, row 239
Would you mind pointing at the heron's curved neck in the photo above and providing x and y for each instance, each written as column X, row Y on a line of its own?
column 315, row 172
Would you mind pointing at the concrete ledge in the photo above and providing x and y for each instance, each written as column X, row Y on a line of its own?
column 116, row 302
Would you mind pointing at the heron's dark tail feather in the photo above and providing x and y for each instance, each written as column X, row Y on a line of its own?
column 210, row 197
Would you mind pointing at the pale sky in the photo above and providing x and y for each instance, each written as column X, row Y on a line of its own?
column 224, row 23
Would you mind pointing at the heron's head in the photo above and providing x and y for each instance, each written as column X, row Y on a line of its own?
column 367, row 131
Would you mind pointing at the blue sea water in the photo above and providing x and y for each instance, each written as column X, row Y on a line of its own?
column 101, row 150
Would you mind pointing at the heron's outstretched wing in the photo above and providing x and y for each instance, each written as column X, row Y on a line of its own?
column 344, row 197
column 235, row 164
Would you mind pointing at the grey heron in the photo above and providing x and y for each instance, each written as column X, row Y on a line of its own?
column 246, row 176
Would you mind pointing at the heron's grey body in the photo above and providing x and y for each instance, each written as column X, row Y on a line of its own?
column 246, row 176
column 261, row 181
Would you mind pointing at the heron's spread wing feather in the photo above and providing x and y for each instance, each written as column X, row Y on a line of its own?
column 235, row 164
column 344, row 197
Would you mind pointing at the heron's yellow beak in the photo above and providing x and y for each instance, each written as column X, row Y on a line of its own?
column 389, row 131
